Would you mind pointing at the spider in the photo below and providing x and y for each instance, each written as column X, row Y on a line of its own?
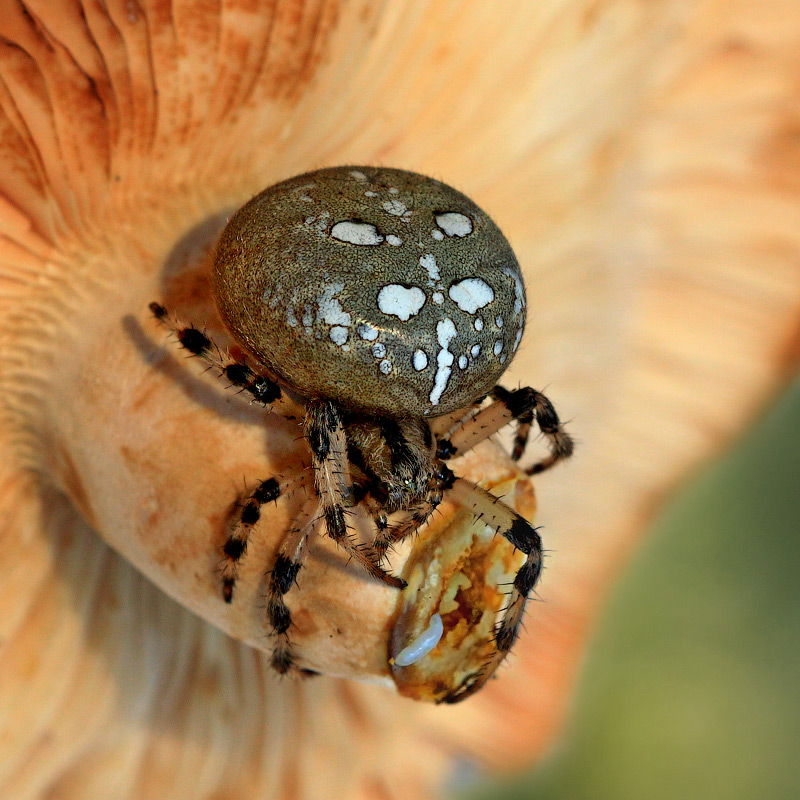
column 381, row 307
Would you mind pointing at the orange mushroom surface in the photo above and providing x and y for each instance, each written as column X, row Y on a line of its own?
column 638, row 157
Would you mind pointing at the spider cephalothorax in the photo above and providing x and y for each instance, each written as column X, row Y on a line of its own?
column 382, row 307
column 396, row 457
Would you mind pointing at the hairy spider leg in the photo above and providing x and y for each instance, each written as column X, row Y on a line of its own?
column 414, row 518
column 326, row 437
column 444, row 424
column 332, row 483
column 496, row 514
column 282, row 577
column 523, row 405
column 260, row 387
column 462, row 430
column 235, row 546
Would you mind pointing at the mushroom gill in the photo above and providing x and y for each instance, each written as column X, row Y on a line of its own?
column 636, row 161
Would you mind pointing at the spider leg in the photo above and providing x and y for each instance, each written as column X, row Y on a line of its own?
column 260, row 387
column 326, row 437
column 283, row 576
column 495, row 513
column 235, row 545
column 524, row 405
column 290, row 557
column 442, row 425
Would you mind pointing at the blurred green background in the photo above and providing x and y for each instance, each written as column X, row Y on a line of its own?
column 691, row 687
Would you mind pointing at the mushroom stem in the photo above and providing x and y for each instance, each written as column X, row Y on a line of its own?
column 156, row 452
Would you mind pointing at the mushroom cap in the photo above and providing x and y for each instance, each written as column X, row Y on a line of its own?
column 637, row 166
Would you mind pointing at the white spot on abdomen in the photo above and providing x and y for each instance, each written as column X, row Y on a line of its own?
column 519, row 290
column 393, row 240
column 401, row 301
column 471, row 294
column 395, row 208
column 330, row 310
column 445, row 333
column 356, row 232
column 428, row 262
column 339, row 334
column 419, row 360
column 454, row 224
column 319, row 223
column 367, row 332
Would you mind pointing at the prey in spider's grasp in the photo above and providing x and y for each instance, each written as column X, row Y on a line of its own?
column 381, row 307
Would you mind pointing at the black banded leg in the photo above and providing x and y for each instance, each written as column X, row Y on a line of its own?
column 282, row 577
column 524, row 424
column 524, row 405
column 235, row 545
column 495, row 513
column 261, row 388
column 326, row 437
column 527, row 405
column 526, row 538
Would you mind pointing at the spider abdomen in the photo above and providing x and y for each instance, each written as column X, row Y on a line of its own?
column 383, row 290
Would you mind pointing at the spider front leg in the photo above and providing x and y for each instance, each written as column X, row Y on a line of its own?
column 523, row 536
column 327, row 440
column 260, row 387
column 523, row 405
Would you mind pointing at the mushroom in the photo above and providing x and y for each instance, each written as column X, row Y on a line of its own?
column 659, row 239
